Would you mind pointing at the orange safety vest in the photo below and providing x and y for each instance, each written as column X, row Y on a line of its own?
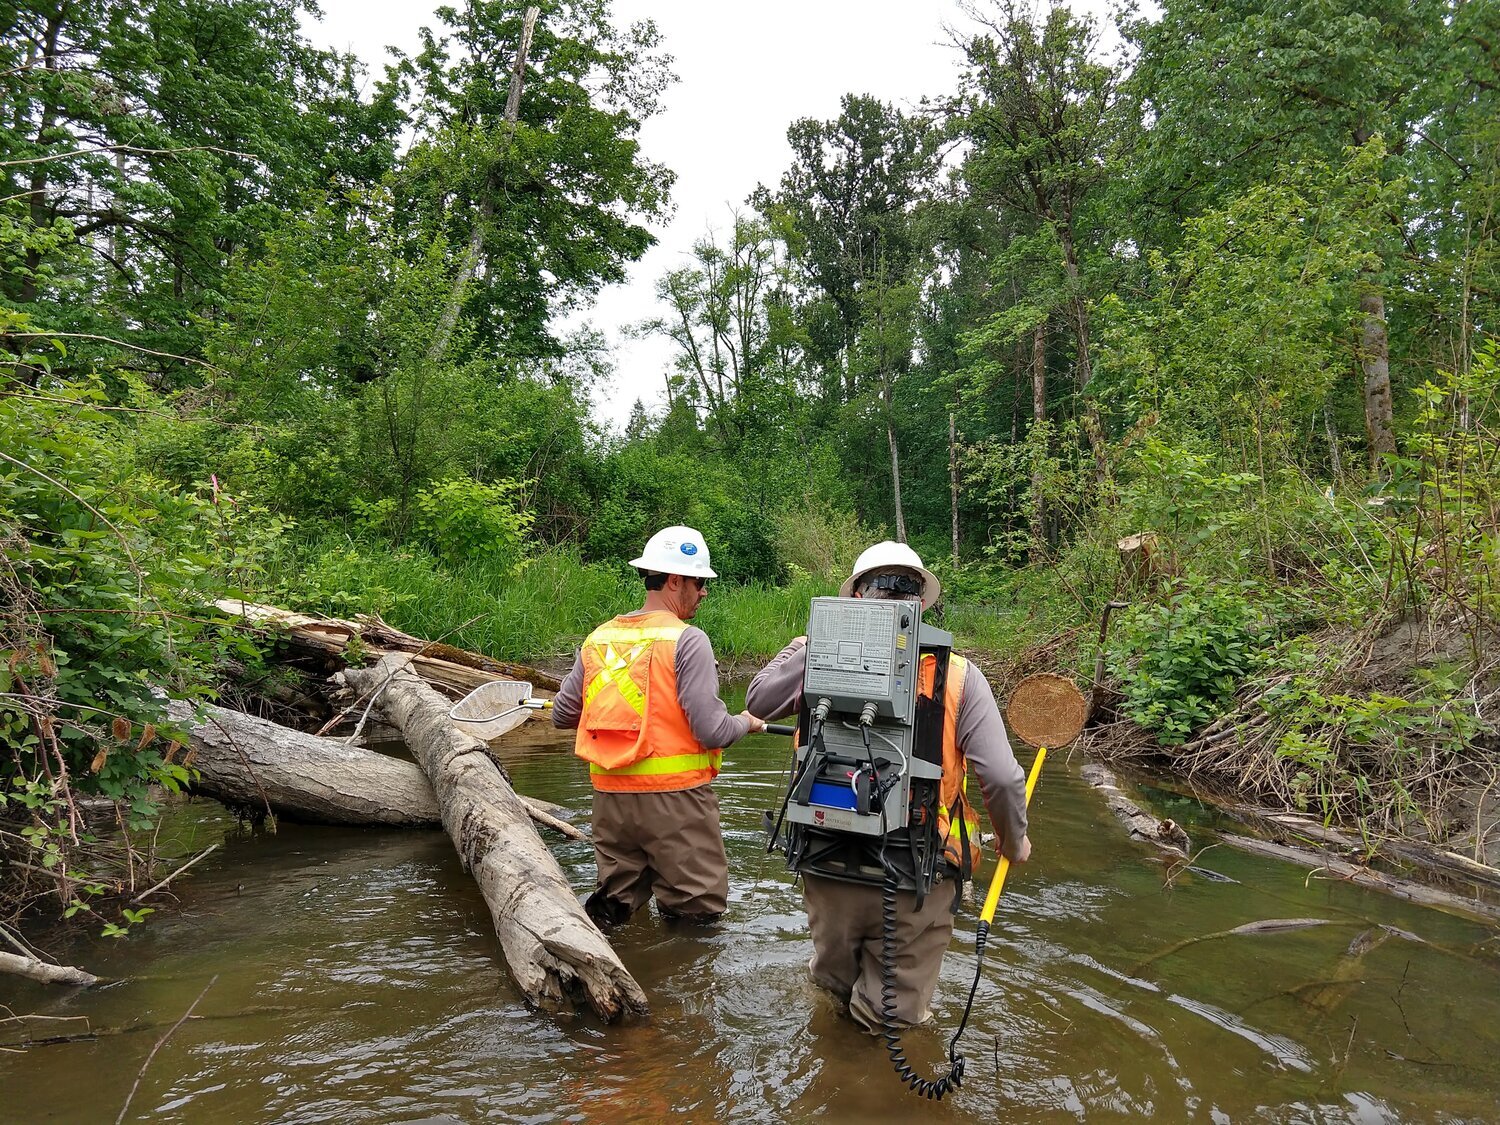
column 955, row 784
column 633, row 731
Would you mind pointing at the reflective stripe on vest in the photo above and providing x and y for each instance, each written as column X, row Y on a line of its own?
column 674, row 763
column 615, row 673
column 636, row 737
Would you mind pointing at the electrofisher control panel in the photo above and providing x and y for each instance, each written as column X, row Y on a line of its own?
column 855, row 761
column 861, row 651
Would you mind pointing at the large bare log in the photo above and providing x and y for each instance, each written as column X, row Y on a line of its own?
column 252, row 763
column 437, row 662
column 44, row 971
column 555, row 952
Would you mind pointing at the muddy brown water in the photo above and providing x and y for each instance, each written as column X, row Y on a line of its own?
column 359, row 980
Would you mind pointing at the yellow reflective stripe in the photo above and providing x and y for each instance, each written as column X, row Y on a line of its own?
column 971, row 814
column 671, row 763
column 615, row 669
column 625, row 635
column 627, row 688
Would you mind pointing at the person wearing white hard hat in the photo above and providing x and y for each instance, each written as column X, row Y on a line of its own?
column 843, row 902
column 643, row 695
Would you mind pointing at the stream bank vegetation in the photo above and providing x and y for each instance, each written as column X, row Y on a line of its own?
column 1206, row 327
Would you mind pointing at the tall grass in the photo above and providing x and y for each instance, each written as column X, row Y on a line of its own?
column 540, row 612
column 756, row 620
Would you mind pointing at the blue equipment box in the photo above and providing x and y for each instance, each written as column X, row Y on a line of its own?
column 832, row 796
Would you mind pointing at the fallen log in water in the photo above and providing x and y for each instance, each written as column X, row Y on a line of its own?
column 1167, row 835
column 1429, row 857
column 435, row 662
column 251, row 763
column 554, row 951
column 44, row 972
column 255, row 764
column 1367, row 877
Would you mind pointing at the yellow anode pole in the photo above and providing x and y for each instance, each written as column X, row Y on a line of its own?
column 997, row 884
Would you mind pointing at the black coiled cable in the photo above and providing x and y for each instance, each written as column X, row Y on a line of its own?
column 932, row 1088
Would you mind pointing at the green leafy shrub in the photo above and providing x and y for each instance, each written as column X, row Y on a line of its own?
column 1180, row 662
column 462, row 520
column 105, row 575
column 816, row 539
column 1180, row 492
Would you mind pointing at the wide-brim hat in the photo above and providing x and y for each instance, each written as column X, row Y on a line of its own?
column 890, row 555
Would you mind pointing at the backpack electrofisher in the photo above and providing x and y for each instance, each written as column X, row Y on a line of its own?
column 866, row 779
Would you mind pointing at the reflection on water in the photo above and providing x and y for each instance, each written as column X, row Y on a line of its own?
column 359, row 980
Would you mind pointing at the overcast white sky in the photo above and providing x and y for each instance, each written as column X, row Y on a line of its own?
column 745, row 71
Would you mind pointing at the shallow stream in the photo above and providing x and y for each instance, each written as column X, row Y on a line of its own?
column 356, row 978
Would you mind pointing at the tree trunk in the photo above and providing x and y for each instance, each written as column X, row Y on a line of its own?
column 953, row 480
column 1374, row 356
column 1038, row 552
column 1093, row 425
column 890, row 438
column 556, row 954
column 1335, row 460
column 1079, row 309
column 475, row 250
column 1020, row 364
column 250, row 763
column 37, row 202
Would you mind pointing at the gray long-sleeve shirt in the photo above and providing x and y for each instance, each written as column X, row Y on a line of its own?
column 697, row 692
column 776, row 691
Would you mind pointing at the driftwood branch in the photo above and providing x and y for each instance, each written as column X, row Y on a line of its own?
column 152, row 890
column 44, row 972
column 1429, row 857
column 1368, row 878
column 1249, row 929
column 546, row 819
column 142, row 1072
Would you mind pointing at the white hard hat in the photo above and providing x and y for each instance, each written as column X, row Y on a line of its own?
column 676, row 550
column 892, row 554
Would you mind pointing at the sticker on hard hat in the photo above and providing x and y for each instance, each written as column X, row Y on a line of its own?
column 689, row 548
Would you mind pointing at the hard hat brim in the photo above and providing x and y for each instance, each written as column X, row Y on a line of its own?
column 658, row 568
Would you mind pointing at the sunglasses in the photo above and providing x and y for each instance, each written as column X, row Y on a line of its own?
column 698, row 582
column 903, row 584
